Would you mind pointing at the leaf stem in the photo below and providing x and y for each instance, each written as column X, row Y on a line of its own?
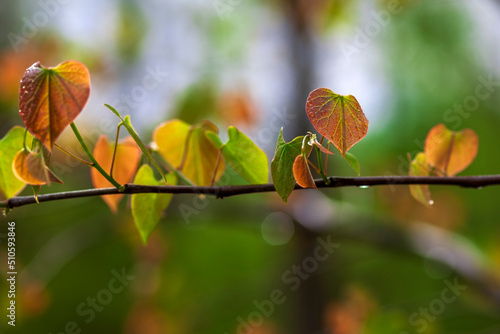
column 95, row 164
column 128, row 125
column 186, row 148
column 326, row 160
column 73, row 155
column 114, row 150
column 320, row 164
column 216, row 166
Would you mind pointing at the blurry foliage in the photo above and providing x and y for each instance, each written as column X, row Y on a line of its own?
column 197, row 102
column 131, row 30
column 199, row 274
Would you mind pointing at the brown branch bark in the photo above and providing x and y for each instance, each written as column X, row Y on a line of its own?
column 226, row 191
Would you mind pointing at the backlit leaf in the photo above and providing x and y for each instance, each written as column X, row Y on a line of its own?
column 448, row 151
column 246, row 158
column 10, row 144
column 30, row 168
column 420, row 192
column 50, row 98
column 282, row 165
column 147, row 208
column 338, row 118
column 302, row 173
column 174, row 137
column 353, row 162
column 126, row 161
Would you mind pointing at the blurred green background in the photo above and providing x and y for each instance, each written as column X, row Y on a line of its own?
column 251, row 264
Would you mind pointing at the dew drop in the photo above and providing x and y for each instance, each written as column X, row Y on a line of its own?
column 364, row 187
column 431, row 202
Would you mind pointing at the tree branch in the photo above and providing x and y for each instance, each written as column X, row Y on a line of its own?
column 226, row 191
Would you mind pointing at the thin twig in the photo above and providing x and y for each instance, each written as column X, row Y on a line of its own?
column 226, row 191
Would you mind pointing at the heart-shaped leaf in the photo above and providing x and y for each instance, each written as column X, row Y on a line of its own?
column 147, row 208
column 30, row 168
column 246, row 158
column 448, row 151
column 420, row 192
column 10, row 144
column 188, row 148
column 126, row 162
column 338, row 118
column 50, row 98
column 282, row 165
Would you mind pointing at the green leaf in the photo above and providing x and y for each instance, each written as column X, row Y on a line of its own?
column 50, row 98
column 147, row 208
column 10, row 144
column 353, row 162
column 241, row 153
column 282, row 165
column 215, row 139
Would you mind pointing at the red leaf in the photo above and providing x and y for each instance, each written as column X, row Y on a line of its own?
column 338, row 118
column 50, row 98
column 302, row 173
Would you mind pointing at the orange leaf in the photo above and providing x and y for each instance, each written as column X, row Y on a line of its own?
column 30, row 168
column 420, row 192
column 302, row 173
column 448, row 151
column 339, row 118
column 126, row 162
column 50, row 98
column 236, row 108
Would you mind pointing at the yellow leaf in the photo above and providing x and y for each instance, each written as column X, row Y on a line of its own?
column 30, row 168
column 187, row 148
column 420, row 192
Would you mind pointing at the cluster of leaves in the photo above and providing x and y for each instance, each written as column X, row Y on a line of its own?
column 337, row 118
column 446, row 153
column 50, row 98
